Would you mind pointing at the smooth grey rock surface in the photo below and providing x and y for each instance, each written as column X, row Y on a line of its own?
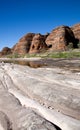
column 56, row 89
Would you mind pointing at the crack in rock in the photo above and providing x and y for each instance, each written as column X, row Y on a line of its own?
column 5, row 123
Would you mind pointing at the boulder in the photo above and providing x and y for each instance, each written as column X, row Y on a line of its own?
column 23, row 46
column 60, row 37
column 38, row 43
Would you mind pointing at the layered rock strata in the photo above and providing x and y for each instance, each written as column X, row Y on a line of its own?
column 30, row 93
column 23, row 46
column 60, row 38
column 76, row 31
column 38, row 44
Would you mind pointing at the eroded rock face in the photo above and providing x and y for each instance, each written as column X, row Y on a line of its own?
column 38, row 43
column 0, row 54
column 5, row 51
column 60, row 37
column 57, row 40
column 23, row 46
column 76, row 31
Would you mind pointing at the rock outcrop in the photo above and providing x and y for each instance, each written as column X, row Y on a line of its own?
column 60, row 37
column 23, row 46
column 36, row 99
column 14, row 115
column 5, row 51
column 76, row 31
column 0, row 54
column 38, row 43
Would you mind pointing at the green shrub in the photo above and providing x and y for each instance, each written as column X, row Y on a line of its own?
column 15, row 55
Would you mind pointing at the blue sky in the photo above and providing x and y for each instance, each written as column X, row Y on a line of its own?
column 18, row 17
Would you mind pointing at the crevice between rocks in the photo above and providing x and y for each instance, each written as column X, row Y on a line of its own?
column 5, row 123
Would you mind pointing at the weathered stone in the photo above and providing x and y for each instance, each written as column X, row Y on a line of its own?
column 76, row 30
column 19, row 117
column 5, row 51
column 52, row 92
column 0, row 54
column 23, row 46
column 60, row 37
column 38, row 43
column 5, row 124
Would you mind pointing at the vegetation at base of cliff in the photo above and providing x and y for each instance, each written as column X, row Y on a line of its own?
column 48, row 54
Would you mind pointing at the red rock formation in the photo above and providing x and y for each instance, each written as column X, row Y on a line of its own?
column 5, row 51
column 60, row 37
column 76, row 31
column 23, row 46
column 0, row 54
column 57, row 40
column 38, row 43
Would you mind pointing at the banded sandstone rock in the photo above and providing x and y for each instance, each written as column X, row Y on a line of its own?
column 5, row 51
column 76, row 31
column 23, row 46
column 57, row 40
column 38, row 43
column 60, row 37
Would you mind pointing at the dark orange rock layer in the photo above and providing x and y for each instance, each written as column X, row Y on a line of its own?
column 58, row 40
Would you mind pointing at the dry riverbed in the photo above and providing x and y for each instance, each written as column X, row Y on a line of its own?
column 40, row 94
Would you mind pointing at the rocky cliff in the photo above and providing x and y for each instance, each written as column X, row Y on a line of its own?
column 23, row 46
column 38, row 43
column 60, row 37
column 57, row 40
column 76, row 30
